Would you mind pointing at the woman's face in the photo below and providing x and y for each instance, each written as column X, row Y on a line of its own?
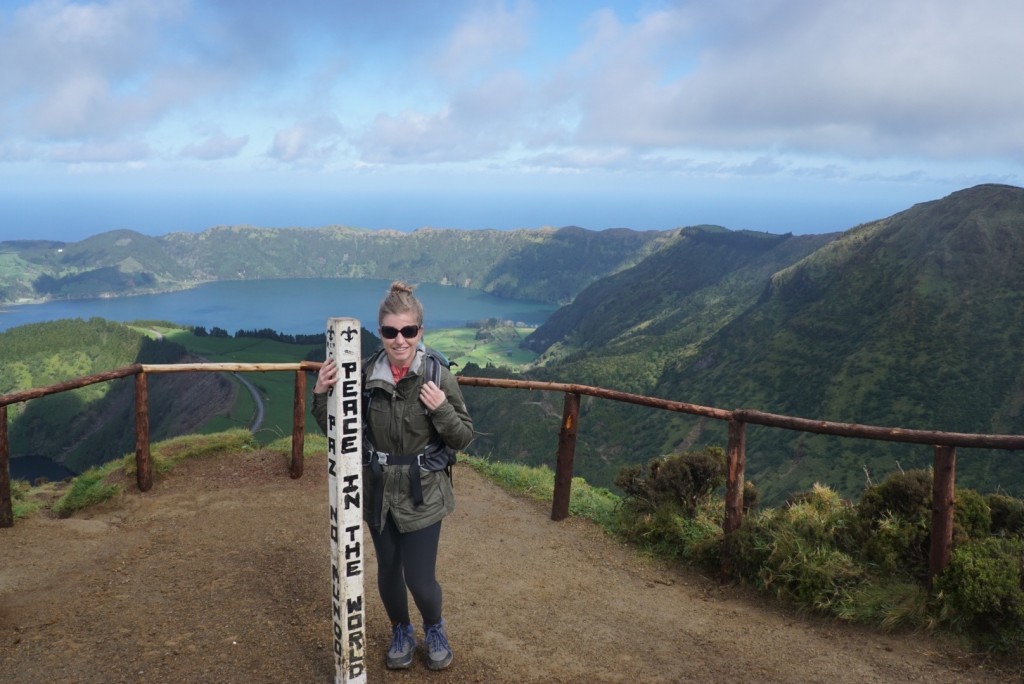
column 401, row 350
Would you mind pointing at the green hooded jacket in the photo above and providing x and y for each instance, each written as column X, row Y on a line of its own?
column 398, row 423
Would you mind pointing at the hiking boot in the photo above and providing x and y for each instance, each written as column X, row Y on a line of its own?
column 439, row 653
column 403, row 643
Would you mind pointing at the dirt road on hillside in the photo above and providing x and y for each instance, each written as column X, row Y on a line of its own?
column 220, row 574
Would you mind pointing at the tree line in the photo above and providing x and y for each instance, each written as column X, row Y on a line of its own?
column 261, row 333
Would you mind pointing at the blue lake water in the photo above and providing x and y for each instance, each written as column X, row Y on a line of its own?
column 32, row 467
column 290, row 306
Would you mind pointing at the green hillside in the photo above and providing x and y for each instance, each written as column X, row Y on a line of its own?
column 914, row 321
column 93, row 424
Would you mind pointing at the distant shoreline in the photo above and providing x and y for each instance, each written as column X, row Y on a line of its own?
column 24, row 301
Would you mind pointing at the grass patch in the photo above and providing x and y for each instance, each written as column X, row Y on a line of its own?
column 100, row 483
column 167, row 454
column 88, row 489
column 538, row 483
column 24, row 502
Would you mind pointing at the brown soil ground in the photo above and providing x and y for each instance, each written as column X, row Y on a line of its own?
column 221, row 574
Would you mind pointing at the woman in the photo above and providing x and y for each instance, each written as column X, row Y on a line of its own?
column 404, row 501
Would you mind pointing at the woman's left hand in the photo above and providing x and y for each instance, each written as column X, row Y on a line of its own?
column 432, row 396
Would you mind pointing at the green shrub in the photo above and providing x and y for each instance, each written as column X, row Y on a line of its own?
column 894, row 520
column 667, row 533
column 972, row 517
column 797, row 551
column 905, row 494
column 815, row 577
column 682, row 480
column 1007, row 514
column 751, row 496
column 22, row 504
column 898, row 547
column 980, row 592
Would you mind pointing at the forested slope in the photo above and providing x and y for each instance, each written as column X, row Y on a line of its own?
column 914, row 321
column 95, row 424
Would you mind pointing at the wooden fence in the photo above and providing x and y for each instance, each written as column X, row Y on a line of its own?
column 944, row 444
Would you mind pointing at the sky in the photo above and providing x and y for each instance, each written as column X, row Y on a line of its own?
column 801, row 116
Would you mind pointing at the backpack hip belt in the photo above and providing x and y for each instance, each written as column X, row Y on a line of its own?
column 383, row 458
column 379, row 459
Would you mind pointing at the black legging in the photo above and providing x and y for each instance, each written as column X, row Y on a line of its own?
column 408, row 559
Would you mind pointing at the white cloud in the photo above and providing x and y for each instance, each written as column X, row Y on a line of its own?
column 685, row 89
column 310, row 143
column 121, row 152
column 217, row 146
column 478, row 123
column 865, row 79
column 488, row 35
column 71, row 70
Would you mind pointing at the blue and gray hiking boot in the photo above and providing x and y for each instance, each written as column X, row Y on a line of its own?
column 439, row 653
column 403, row 643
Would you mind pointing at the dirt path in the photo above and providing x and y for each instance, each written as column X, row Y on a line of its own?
column 221, row 574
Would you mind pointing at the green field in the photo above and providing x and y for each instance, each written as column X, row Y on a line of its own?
column 497, row 347
column 277, row 388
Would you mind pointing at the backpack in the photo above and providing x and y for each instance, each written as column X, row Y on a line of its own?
column 433, row 361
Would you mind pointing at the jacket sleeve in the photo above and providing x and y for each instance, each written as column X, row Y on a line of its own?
column 320, row 410
column 451, row 419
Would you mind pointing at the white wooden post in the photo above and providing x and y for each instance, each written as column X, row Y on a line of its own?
column 345, row 482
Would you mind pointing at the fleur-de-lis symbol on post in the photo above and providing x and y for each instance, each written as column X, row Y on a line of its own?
column 349, row 333
column 330, row 334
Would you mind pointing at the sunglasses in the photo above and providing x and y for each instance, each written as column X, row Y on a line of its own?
column 408, row 332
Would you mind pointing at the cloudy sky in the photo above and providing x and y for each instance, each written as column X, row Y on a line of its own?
column 776, row 115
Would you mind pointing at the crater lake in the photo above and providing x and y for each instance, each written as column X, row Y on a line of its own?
column 289, row 306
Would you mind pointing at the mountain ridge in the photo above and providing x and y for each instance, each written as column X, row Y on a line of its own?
column 547, row 264
column 915, row 320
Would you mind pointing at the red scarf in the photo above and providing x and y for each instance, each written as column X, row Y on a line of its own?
column 398, row 372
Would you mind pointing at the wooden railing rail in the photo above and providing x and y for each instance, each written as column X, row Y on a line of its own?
column 944, row 443
column 888, row 434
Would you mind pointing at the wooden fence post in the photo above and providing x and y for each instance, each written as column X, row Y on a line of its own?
column 6, row 501
column 299, row 425
column 143, row 463
column 943, row 507
column 566, row 456
column 736, row 463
